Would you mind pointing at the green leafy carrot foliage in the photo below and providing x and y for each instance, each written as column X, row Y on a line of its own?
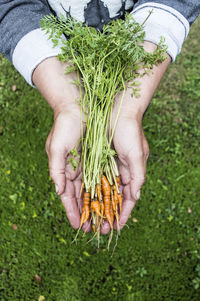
column 107, row 61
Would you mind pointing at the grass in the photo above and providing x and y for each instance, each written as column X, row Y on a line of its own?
column 157, row 257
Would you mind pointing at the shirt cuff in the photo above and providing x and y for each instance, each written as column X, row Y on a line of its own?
column 30, row 51
column 164, row 22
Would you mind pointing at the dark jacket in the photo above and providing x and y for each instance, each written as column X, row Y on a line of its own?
column 22, row 41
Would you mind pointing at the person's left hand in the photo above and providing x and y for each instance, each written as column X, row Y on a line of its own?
column 129, row 141
column 132, row 149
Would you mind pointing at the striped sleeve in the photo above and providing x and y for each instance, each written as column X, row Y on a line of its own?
column 169, row 19
column 21, row 39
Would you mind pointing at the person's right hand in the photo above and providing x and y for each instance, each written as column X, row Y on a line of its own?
column 61, row 93
column 63, row 137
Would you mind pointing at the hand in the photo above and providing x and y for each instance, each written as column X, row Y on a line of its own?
column 133, row 151
column 60, row 92
column 64, row 136
column 129, row 140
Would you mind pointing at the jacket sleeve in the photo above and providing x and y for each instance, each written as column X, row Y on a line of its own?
column 170, row 19
column 21, row 39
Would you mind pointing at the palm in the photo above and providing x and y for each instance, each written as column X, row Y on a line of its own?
column 132, row 150
column 65, row 136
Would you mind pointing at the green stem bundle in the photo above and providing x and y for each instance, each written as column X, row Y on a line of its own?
column 107, row 61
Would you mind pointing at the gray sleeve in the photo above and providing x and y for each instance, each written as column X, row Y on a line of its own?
column 190, row 9
column 170, row 19
column 17, row 18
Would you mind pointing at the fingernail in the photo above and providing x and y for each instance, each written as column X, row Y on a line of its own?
column 57, row 188
column 137, row 196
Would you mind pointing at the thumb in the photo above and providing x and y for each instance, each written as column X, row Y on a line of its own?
column 57, row 169
column 63, row 137
column 137, row 167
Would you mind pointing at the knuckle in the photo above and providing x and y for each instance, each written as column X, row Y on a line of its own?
column 52, row 174
column 141, row 179
column 56, row 151
column 56, row 172
column 53, row 149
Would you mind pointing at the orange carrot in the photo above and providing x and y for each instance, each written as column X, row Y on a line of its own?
column 112, row 201
column 96, row 207
column 112, row 214
column 102, row 208
column 120, row 200
column 86, row 208
column 115, row 199
column 119, row 197
column 118, row 181
column 105, row 186
column 98, row 188
column 107, row 211
column 81, row 191
column 106, row 198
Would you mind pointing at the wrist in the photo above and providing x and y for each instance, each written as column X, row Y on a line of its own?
column 72, row 110
column 57, row 88
column 137, row 105
column 149, row 46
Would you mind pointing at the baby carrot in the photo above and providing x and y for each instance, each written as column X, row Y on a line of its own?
column 120, row 200
column 96, row 207
column 106, row 189
column 98, row 189
column 86, row 208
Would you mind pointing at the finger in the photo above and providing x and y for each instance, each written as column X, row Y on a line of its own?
column 56, row 175
column 105, row 228
column 69, row 201
column 137, row 167
column 57, row 155
column 65, row 135
column 47, row 146
column 87, row 226
column 124, row 173
column 77, row 186
column 127, row 207
column 131, row 154
column 145, row 147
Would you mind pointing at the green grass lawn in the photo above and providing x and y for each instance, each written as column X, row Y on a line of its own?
column 158, row 254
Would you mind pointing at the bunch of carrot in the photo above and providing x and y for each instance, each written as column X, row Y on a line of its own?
column 107, row 203
column 107, row 62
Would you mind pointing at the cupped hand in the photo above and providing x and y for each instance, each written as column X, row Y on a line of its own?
column 61, row 93
column 132, row 150
column 64, row 136
column 129, row 140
